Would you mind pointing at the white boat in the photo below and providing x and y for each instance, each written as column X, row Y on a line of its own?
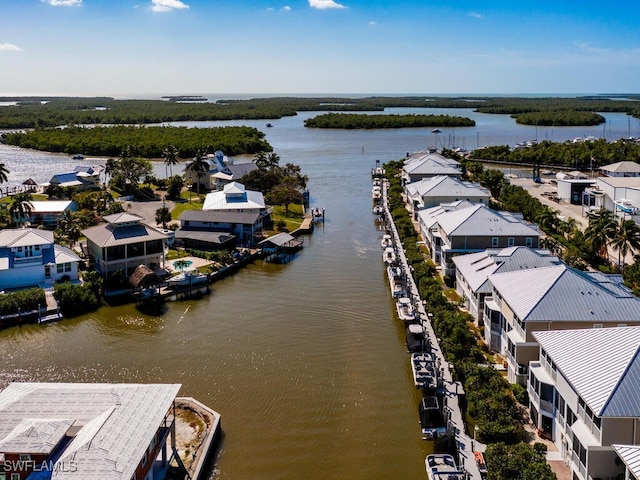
column 378, row 210
column 624, row 205
column 386, row 241
column 405, row 310
column 425, row 370
column 376, row 192
column 442, row 466
column 188, row 278
column 389, row 256
column 396, row 281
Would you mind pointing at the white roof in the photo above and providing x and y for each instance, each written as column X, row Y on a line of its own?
column 630, row 455
column 445, row 185
column 601, row 364
column 64, row 254
column 116, row 422
column 234, row 197
column 476, row 268
column 480, row 220
column 625, row 166
column 561, row 293
column 22, row 237
column 429, row 216
column 51, row 206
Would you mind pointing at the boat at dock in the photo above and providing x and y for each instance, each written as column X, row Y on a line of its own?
column 415, row 338
column 386, row 241
column 376, row 192
column 396, row 281
column 389, row 256
column 187, row 278
column 378, row 210
column 432, row 423
column 405, row 310
column 425, row 371
column 442, row 466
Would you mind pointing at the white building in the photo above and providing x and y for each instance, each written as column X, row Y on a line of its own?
column 584, row 395
column 430, row 192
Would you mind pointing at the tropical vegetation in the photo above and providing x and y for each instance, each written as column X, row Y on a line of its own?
column 352, row 120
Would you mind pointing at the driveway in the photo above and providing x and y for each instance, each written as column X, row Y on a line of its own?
column 147, row 209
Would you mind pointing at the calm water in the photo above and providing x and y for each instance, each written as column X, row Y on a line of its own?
column 305, row 361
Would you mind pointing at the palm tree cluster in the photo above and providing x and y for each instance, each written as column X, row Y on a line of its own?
column 622, row 235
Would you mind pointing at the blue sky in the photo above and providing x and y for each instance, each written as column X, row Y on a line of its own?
column 134, row 47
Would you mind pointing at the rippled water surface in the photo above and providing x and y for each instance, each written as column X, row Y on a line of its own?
column 305, row 361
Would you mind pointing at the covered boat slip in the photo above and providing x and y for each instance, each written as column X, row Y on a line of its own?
column 280, row 248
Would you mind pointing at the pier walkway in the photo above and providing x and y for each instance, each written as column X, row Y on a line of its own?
column 466, row 445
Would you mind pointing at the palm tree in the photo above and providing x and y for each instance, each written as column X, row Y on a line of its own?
column 626, row 239
column 163, row 216
column 261, row 160
column 68, row 227
column 568, row 228
column 21, row 207
column 199, row 167
column 170, row 155
column 547, row 218
column 601, row 229
column 3, row 173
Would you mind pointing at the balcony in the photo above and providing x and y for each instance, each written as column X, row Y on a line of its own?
column 27, row 261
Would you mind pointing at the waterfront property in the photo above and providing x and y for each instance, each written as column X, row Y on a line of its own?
column 216, row 229
column 430, row 192
column 48, row 213
column 94, row 430
column 474, row 270
column 428, row 163
column 81, row 178
column 221, row 171
column 583, row 396
column 630, row 456
column 621, row 169
column 468, row 228
column 552, row 298
column 29, row 258
column 123, row 243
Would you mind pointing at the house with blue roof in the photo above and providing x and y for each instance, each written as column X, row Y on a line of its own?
column 81, row 178
column 584, row 393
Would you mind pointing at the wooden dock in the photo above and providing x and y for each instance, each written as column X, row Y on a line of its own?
column 465, row 445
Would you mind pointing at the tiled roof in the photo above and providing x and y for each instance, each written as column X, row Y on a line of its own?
column 601, row 364
column 562, row 293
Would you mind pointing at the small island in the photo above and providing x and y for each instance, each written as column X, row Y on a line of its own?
column 352, row 121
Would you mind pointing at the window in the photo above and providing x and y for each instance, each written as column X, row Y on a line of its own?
column 622, row 324
column 15, row 476
column 597, row 325
column 495, row 241
column 60, row 267
column 511, row 242
column 25, row 457
column 528, row 242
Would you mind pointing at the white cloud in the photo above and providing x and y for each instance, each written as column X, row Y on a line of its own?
column 167, row 5
column 324, row 4
column 63, row 3
column 286, row 8
column 372, row 23
column 9, row 47
column 476, row 15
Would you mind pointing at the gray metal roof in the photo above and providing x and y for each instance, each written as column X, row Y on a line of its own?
column 116, row 422
column 445, row 185
column 477, row 267
column 601, row 364
column 630, row 455
column 561, row 293
column 480, row 220
column 216, row 238
column 109, row 235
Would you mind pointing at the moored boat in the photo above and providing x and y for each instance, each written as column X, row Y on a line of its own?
column 442, row 466
column 187, row 278
column 396, row 281
column 425, row 371
column 405, row 310
column 433, row 423
column 386, row 241
column 389, row 256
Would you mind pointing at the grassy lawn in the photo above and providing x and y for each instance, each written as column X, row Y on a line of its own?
column 293, row 218
column 192, row 201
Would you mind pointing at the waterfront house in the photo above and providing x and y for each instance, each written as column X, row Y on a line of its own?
column 552, row 298
column 630, row 456
column 81, row 178
column 87, row 431
column 583, row 394
column 430, row 192
column 428, row 163
column 123, row 243
column 48, row 213
column 474, row 269
column 221, row 171
column 472, row 228
column 215, row 229
column 29, row 258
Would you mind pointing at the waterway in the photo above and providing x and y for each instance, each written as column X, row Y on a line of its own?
column 305, row 361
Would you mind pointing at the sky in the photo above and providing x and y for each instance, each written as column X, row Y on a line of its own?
column 136, row 48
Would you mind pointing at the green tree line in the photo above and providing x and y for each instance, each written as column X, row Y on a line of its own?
column 351, row 121
column 144, row 141
column 581, row 156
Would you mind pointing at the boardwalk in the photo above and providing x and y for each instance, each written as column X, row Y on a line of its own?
column 465, row 444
